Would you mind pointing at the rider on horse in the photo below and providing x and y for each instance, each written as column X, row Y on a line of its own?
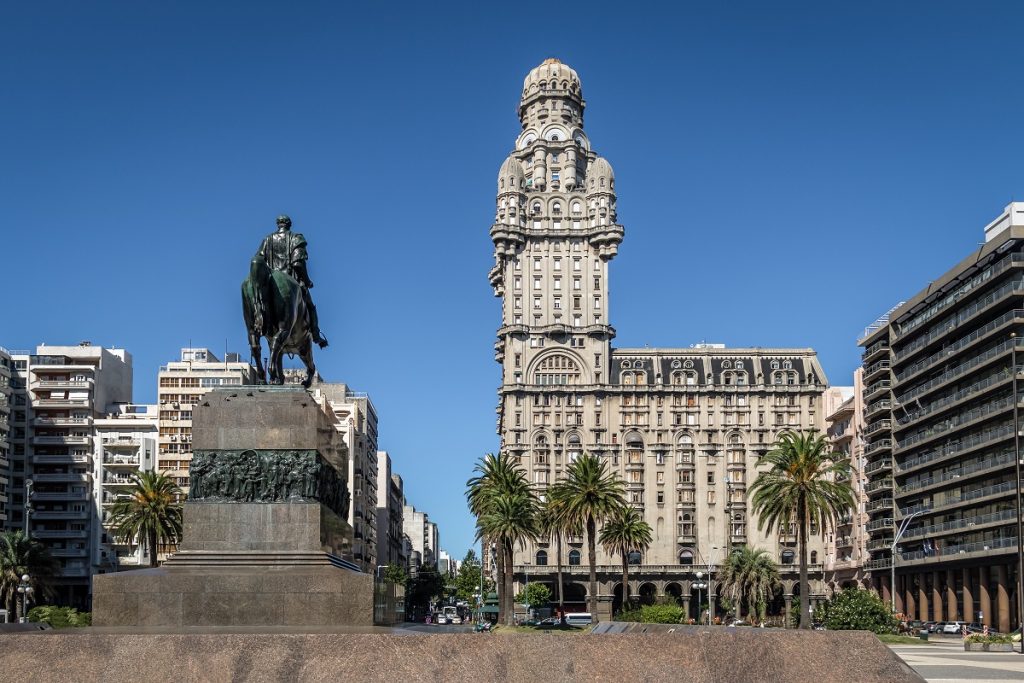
column 285, row 251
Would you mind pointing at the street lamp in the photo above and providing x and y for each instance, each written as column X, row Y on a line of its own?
column 28, row 506
column 892, row 549
column 711, row 557
column 526, row 586
column 1017, row 466
column 25, row 588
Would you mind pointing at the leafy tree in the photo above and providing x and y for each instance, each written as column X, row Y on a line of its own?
column 534, row 595
column 803, row 485
column 467, row 581
column 859, row 610
column 589, row 494
column 423, row 587
column 505, row 506
column 623, row 532
column 59, row 617
column 19, row 555
column 749, row 576
column 151, row 514
column 395, row 573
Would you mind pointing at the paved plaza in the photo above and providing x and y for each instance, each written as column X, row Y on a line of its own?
column 944, row 660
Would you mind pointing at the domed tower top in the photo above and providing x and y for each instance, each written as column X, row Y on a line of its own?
column 511, row 177
column 600, row 177
column 551, row 92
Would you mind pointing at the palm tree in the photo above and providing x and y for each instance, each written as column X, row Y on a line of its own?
column 588, row 495
column 510, row 519
column 624, row 532
column 803, row 484
column 499, row 476
column 152, row 513
column 750, row 575
column 19, row 555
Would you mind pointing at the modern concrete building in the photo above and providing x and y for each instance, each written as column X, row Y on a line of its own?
column 355, row 418
column 180, row 385
column 66, row 389
column 6, row 371
column 940, row 412
column 423, row 536
column 682, row 426
column 125, row 443
column 846, row 546
column 390, row 496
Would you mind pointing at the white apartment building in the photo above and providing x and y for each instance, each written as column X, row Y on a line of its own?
column 125, row 443
column 423, row 537
column 180, row 385
column 64, row 390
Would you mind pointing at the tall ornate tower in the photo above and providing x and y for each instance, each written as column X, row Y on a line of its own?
column 554, row 234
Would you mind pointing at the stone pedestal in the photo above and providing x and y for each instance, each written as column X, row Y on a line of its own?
column 265, row 538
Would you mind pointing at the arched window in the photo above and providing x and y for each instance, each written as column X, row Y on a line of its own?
column 790, row 378
column 574, row 557
column 576, row 209
column 634, row 557
column 574, row 447
column 542, row 558
column 686, row 557
column 556, row 369
column 787, row 556
column 634, row 450
column 556, row 208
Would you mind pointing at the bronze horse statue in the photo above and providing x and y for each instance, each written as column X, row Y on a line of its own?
column 274, row 307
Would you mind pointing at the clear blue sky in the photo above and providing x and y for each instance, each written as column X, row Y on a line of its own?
column 786, row 172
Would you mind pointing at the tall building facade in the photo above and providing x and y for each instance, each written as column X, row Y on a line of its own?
column 846, row 545
column 355, row 418
column 66, row 390
column 682, row 426
column 940, row 411
column 390, row 497
column 6, row 372
column 423, row 537
column 180, row 385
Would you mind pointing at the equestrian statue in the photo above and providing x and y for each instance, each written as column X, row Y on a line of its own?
column 277, row 305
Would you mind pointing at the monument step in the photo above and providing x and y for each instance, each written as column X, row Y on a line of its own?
column 235, row 558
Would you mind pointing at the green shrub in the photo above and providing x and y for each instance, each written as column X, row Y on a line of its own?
column 59, row 617
column 653, row 614
column 860, row 610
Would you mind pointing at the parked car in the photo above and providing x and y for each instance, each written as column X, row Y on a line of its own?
column 915, row 625
column 933, row 626
column 952, row 627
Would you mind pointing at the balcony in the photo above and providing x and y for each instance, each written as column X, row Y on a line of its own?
column 996, row 353
column 878, row 524
column 878, row 446
column 875, row 351
column 61, row 421
column 69, row 552
column 878, row 408
column 994, row 491
column 884, row 563
column 986, row 438
column 878, row 426
column 956, row 422
column 880, row 543
column 960, row 474
column 60, row 403
column 880, row 504
column 60, row 477
column 61, row 384
column 879, row 485
column 60, row 533
column 962, row 552
column 963, row 523
column 118, row 481
column 58, row 514
column 64, row 440
column 877, row 389
column 114, row 444
column 876, row 369
column 61, row 459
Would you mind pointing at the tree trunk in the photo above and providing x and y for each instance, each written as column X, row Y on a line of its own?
column 499, row 584
column 805, row 598
column 510, row 610
column 152, row 547
column 592, row 559
column 625, row 580
column 558, row 571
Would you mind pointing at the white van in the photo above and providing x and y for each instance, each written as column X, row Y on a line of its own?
column 578, row 618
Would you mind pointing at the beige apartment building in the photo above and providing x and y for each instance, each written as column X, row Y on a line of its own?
column 390, row 499
column 355, row 418
column 180, row 385
column 846, row 545
column 683, row 426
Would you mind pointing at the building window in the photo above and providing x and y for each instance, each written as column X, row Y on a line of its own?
column 574, row 558
column 576, row 264
column 686, row 557
column 536, row 283
column 536, row 264
column 542, row 558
